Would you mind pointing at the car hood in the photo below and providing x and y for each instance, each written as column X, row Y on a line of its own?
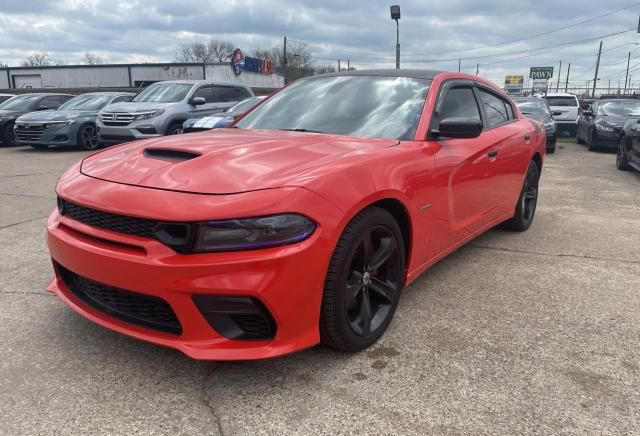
column 44, row 116
column 132, row 106
column 11, row 114
column 226, row 161
column 616, row 121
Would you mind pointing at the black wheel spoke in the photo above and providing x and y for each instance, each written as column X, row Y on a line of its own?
column 365, row 313
column 383, row 288
column 354, row 286
column 382, row 254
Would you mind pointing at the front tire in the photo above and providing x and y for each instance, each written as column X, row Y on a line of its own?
column 8, row 136
column 551, row 148
column 527, row 201
column 174, row 128
column 622, row 162
column 88, row 137
column 364, row 281
column 591, row 136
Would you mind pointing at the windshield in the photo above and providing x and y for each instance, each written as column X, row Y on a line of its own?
column 620, row 108
column 533, row 107
column 376, row 107
column 164, row 93
column 86, row 103
column 562, row 101
column 244, row 105
column 20, row 103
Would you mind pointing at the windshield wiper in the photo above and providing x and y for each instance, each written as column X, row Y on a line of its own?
column 302, row 130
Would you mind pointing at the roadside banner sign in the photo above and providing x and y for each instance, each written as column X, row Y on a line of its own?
column 540, row 85
column 539, row 73
column 513, row 83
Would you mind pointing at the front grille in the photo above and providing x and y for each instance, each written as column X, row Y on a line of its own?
column 116, row 118
column 28, row 132
column 109, row 221
column 254, row 326
column 132, row 307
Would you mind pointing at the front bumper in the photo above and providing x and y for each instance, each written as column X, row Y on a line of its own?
column 566, row 127
column 288, row 280
column 63, row 135
column 112, row 135
column 606, row 139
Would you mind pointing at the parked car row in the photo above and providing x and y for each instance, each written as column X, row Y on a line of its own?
column 107, row 118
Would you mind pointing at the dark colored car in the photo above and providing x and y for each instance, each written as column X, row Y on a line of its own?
column 602, row 124
column 628, row 156
column 538, row 109
column 5, row 97
column 73, row 123
column 11, row 109
column 585, row 103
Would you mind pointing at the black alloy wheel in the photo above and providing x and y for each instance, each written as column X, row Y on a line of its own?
column 364, row 281
column 621, row 155
column 88, row 137
column 527, row 202
column 175, row 129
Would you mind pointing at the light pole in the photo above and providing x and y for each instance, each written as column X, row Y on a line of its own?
column 395, row 15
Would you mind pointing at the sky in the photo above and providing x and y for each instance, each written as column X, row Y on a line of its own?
column 504, row 37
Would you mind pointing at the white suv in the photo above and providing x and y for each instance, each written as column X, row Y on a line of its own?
column 564, row 108
column 161, row 108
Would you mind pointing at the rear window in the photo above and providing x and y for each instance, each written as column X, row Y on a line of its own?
column 562, row 101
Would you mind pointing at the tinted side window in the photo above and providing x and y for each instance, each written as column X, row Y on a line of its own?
column 494, row 109
column 226, row 94
column 52, row 102
column 205, row 92
column 459, row 103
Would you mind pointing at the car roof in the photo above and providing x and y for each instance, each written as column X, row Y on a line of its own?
column 43, row 94
column 559, row 94
column 200, row 82
column 107, row 93
column 627, row 100
column 414, row 74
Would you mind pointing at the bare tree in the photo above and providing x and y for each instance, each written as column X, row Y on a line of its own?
column 298, row 62
column 90, row 58
column 324, row 69
column 40, row 59
column 212, row 50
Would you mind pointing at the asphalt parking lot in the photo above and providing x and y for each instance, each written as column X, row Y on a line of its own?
column 515, row 333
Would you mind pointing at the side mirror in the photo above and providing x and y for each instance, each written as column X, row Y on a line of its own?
column 197, row 101
column 459, row 128
column 587, row 113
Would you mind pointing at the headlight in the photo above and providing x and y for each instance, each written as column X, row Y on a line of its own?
column 148, row 115
column 235, row 234
column 604, row 127
column 50, row 124
column 550, row 125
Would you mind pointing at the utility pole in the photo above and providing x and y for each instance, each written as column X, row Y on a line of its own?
column 459, row 64
column 566, row 84
column 595, row 78
column 348, row 64
column 284, row 60
column 627, row 76
column 477, row 69
column 338, row 65
column 559, row 74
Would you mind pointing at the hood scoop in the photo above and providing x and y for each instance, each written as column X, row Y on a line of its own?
column 169, row 154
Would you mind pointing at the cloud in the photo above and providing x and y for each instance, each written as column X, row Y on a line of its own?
column 358, row 30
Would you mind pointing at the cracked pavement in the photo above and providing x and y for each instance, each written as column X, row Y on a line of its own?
column 536, row 332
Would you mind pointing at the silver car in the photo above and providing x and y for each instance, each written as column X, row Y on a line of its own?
column 162, row 108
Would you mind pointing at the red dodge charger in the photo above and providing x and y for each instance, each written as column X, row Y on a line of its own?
column 299, row 224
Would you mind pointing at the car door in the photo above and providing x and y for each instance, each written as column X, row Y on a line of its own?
column 635, row 142
column 210, row 105
column 465, row 169
column 508, row 135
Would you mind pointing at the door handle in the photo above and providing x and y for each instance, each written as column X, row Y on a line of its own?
column 527, row 137
column 492, row 154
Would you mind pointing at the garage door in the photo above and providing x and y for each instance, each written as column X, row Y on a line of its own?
column 27, row 81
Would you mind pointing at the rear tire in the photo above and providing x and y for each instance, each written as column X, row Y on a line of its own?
column 8, row 136
column 527, row 201
column 364, row 281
